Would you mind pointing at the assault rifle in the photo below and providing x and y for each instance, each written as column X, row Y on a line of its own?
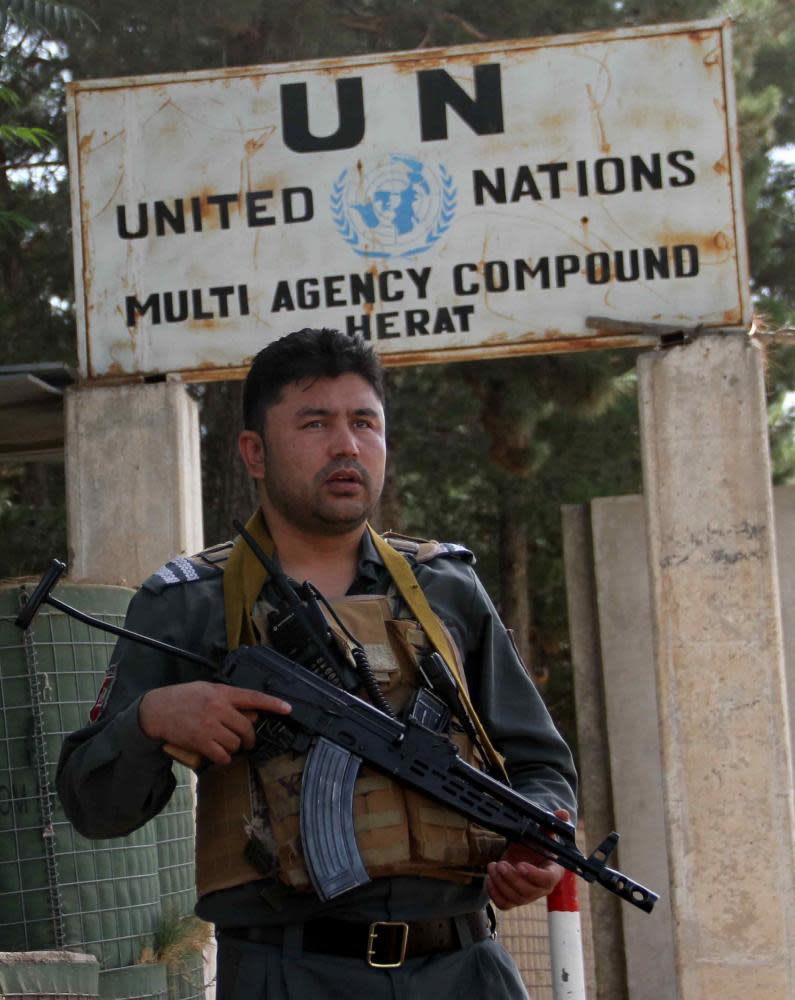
column 339, row 731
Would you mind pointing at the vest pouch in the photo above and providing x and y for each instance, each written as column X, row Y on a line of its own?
column 369, row 619
column 444, row 837
column 280, row 782
column 438, row 835
column 225, row 803
column 379, row 815
column 484, row 846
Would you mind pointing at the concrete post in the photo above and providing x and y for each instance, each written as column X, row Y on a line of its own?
column 727, row 768
column 625, row 632
column 593, row 744
column 784, row 506
column 133, row 480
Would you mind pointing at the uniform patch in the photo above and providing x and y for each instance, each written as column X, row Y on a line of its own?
column 104, row 694
column 381, row 660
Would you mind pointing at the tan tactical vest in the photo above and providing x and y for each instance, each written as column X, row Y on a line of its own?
column 245, row 811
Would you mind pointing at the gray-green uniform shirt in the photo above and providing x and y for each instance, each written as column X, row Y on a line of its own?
column 113, row 779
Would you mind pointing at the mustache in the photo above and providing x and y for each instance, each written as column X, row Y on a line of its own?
column 343, row 464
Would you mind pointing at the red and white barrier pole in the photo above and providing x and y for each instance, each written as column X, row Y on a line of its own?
column 565, row 940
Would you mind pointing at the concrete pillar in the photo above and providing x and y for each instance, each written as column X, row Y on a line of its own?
column 133, row 480
column 627, row 652
column 727, row 768
column 592, row 740
column 784, row 506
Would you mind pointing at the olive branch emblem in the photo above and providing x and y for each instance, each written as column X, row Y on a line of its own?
column 449, row 202
column 338, row 213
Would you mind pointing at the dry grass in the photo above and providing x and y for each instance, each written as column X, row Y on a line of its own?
column 176, row 938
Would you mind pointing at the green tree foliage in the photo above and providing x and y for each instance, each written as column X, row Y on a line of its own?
column 36, row 321
column 39, row 15
column 18, row 135
column 765, row 74
column 571, row 435
column 35, row 269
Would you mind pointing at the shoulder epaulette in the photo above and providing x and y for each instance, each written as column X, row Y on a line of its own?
column 189, row 569
column 217, row 555
column 422, row 550
column 456, row 551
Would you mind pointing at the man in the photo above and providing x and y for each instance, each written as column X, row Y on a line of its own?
column 314, row 442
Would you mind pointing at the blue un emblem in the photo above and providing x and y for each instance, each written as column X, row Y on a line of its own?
column 398, row 207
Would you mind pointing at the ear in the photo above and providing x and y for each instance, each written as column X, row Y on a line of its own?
column 252, row 451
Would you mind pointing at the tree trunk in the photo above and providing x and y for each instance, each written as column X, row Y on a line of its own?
column 228, row 491
column 387, row 515
column 513, row 567
column 509, row 425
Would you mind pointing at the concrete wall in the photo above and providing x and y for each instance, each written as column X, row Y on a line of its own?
column 612, row 650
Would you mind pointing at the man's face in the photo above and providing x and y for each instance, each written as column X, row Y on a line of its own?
column 324, row 454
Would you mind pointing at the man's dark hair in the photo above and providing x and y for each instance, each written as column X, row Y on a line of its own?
column 305, row 354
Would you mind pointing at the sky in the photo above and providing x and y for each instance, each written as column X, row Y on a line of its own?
column 785, row 154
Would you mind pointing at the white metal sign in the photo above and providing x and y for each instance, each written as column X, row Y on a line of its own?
column 443, row 203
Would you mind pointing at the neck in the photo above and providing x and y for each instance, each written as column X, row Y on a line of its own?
column 328, row 561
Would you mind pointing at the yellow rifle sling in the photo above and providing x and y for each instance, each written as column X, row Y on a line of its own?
column 244, row 578
column 412, row 594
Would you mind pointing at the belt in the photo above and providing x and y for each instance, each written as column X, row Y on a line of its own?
column 383, row 944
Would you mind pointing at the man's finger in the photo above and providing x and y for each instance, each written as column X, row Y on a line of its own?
column 520, row 883
column 215, row 753
column 506, row 899
column 503, row 893
column 238, row 722
column 258, row 700
column 511, row 885
column 226, row 735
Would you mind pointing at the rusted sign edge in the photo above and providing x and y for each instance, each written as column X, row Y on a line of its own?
column 736, row 174
column 75, row 188
column 409, row 359
column 506, row 46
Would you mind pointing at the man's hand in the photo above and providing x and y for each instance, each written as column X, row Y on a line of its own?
column 522, row 875
column 212, row 720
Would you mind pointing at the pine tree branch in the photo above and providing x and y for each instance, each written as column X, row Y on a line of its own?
column 42, row 165
column 469, row 28
column 373, row 24
column 46, row 14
